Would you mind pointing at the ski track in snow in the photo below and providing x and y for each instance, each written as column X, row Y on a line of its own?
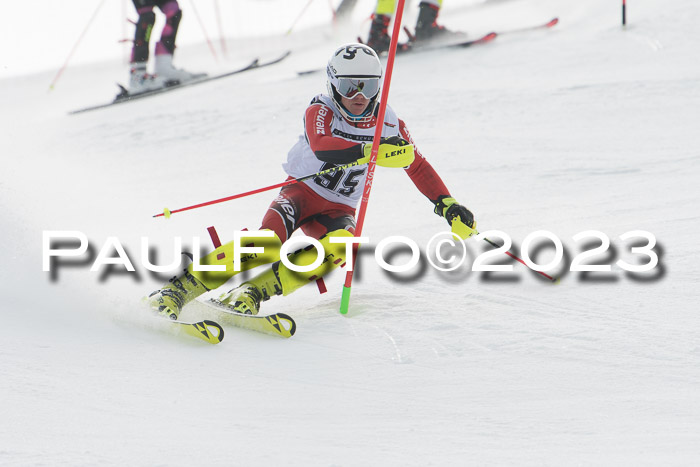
column 582, row 127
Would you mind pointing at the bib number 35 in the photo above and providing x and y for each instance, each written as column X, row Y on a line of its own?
column 342, row 181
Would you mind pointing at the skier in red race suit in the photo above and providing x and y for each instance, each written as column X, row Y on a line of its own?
column 338, row 130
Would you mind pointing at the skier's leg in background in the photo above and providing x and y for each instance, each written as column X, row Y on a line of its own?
column 165, row 47
column 379, row 38
column 142, row 35
column 426, row 25
column 139, row 79
column 173, row 15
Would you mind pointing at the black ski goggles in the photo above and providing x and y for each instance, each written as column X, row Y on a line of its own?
column 351, row 87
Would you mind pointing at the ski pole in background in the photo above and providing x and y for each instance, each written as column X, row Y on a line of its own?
column 624, row 12
column 204, row 30
column 217, row 12
column 65, row 64
column 301, row 13
column 345, row 300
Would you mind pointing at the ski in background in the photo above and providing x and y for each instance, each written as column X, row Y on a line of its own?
column 409, row 46
column 124, row 95
column 412, row 45
column 549, row 24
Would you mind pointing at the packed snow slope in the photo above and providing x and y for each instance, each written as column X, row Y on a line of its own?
column 583, row 127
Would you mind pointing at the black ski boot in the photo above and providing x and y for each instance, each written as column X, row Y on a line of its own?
column 427, row 28
column 379, row 38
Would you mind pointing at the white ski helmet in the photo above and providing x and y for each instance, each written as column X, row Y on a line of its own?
column 354, row 69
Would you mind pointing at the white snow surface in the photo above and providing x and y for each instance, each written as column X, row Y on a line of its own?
column 587, row 126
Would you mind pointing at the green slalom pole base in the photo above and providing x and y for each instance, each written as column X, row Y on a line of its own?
column 345, row 300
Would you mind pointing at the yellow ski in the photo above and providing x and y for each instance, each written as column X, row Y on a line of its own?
column 208, row 331
column 279, row 324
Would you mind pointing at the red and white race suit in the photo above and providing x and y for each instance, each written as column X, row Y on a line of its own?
column 329, row 136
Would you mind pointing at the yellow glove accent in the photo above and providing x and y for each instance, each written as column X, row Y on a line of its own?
column 462, row 230
column 390, row 155
column 459, row 227
column 444, row 206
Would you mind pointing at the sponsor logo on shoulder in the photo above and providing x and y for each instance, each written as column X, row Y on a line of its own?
column 321, row 121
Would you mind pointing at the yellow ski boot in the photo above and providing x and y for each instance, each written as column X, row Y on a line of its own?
column 169, row 300
column 280, row 280
column 246, row 298
column 172, row 297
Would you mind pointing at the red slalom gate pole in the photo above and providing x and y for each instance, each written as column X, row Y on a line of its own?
column 204, row 31
column 80, row 39
column 345, row 300
column 217, row 12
